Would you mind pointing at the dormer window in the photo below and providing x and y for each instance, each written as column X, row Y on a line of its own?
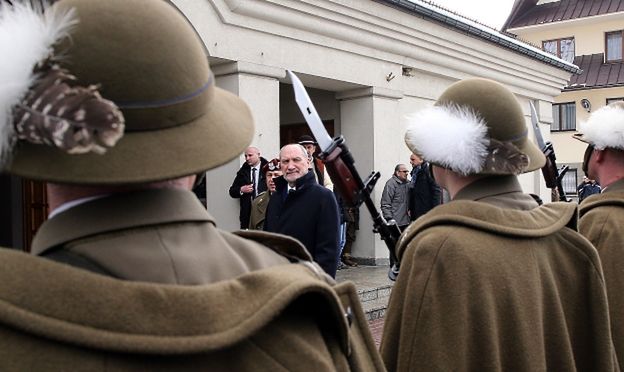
column 562, row 48
column 613, row 46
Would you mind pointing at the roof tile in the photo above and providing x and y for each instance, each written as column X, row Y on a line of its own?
column 565, row 10
column 596, row 73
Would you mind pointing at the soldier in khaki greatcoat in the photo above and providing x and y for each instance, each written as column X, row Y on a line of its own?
column 491, row 281
column 130, row 272
column 602, row 215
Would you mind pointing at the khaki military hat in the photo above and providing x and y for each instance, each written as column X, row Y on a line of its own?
column 145, row 57
column 475, row 127
column 604, row 128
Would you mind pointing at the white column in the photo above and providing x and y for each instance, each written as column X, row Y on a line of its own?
column 373, row 130
column 258, row 86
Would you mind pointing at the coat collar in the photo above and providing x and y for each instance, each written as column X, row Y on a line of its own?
column 502, row 191
column 535, row 223
column 119, row 211
column 615, row 186
column 398, row 180
column 303, row 182
column 96, row 311
column 489, row 186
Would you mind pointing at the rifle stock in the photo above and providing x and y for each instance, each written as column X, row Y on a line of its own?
column 553, row 176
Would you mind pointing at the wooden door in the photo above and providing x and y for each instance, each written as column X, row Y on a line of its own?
column 35, row 209
column 290, row 133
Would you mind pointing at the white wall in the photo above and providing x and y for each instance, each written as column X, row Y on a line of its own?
column 355, row 50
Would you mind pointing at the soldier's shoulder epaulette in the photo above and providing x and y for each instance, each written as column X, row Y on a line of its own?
column 284, row 245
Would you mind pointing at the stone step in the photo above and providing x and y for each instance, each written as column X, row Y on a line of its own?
column 375, row 309
column 373, row 288
column 374, row 301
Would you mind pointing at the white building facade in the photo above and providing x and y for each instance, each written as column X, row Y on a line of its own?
column 367, row 65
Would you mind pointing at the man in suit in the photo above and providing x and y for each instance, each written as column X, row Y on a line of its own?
column 491, row 281
column 423, row 192
column 130, row 271
column 305, row 210
column 248, row 183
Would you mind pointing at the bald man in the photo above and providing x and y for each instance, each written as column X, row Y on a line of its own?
column 248, row 183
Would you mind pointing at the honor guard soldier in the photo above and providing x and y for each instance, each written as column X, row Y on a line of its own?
column 113, row 103
column 491, row 281
column 601, row 215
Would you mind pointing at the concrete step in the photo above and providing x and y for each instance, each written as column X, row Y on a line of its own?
column 373, row 288
column 375, row 301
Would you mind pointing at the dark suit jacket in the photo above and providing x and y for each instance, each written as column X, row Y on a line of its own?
column 243, row 177
column 310, row 214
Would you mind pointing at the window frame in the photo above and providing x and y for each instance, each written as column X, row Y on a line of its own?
column 606, row 44
column 573, row 181
column 562, row 104
column 613, row 99
column 558, row 41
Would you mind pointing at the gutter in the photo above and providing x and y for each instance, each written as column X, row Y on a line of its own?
column 435, row 13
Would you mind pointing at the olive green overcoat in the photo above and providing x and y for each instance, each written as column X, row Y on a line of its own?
column 177, row 294
column 492, row 282
column 602, row 221
column 258, row 211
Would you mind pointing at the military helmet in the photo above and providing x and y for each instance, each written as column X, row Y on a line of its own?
column 147, row 59
column 475, row 127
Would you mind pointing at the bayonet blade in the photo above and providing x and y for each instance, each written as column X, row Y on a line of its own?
column 310, row 115
column 536, row 129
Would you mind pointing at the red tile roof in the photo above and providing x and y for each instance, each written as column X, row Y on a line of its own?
column 529, row 14
column 596, row 73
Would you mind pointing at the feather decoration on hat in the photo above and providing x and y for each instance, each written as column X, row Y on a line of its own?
column 39, row 101
column 505, row 158
column 451, row 136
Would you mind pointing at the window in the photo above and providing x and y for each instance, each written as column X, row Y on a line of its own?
column 569, row 181
column 613, row 46
column 611, row 100
column 564, row 117
column 562, row 48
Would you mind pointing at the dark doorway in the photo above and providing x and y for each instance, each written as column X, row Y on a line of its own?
column 290, row 133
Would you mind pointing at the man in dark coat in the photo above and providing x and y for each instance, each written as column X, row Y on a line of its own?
column 586, row 188
column 305, row 210
column 423, row 192
column 602, row 216
column 248, row 183
column 491, row 281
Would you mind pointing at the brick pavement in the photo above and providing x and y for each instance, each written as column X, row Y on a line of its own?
column 376, row 328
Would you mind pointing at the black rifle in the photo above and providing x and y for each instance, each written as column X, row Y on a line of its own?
column 347, row 181
column 552, row 175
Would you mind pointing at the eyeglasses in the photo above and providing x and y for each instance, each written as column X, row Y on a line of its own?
column 405, row 171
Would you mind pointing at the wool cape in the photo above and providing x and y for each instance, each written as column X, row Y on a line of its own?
column 601, row 219
column 55, row 317
column 484, row 288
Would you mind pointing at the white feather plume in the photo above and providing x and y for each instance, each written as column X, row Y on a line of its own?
column 27, row 36
column 451, row 136
column 605, row 128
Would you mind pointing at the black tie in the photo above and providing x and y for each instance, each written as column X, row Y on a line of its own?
column 253, row 182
